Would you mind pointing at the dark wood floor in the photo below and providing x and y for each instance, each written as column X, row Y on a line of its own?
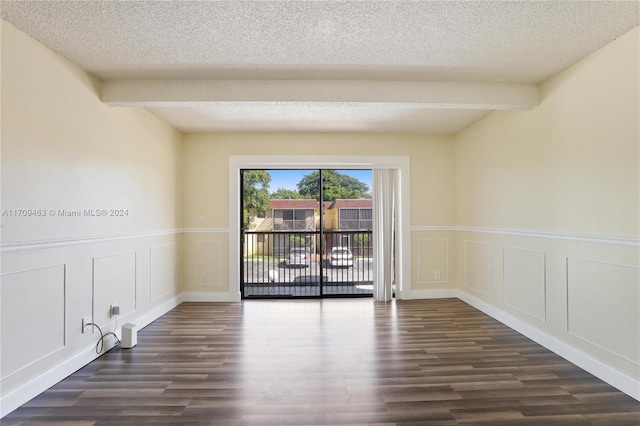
column 313, row 362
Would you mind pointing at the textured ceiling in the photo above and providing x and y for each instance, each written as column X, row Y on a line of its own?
column 520, row 42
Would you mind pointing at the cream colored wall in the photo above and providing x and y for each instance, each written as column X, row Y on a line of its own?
column 63, row 149
column 569, row 166
column 206, row 185
column 565, row 177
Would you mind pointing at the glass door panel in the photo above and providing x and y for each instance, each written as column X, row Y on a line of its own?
column 294, row 244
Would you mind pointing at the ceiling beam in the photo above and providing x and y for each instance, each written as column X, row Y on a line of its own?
column 424, row 94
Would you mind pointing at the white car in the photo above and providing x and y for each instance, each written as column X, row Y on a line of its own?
column 341, row 256
column 298, row 257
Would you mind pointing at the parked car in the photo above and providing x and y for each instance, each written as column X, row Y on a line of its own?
column 298, row 257
column 341, row 256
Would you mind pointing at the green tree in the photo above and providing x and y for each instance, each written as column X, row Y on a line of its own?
column 297, row 241
column 362, row 239
column 256, row 194
column 336, row 185
column 285, row 194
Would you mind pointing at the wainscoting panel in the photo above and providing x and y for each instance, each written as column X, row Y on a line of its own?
column 114, row 282
column 524, row 285
column 209, row 263
column 477, row 266
column 433, row 261
column 603, row 306
column 32, row 317
column 164, row 270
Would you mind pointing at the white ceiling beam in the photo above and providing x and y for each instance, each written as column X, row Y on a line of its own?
column 440, row 95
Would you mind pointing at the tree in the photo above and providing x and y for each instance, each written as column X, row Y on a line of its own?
column 285, row 194
column 336, row 185
column 256, row 193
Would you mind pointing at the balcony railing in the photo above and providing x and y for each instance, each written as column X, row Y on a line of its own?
column 290, row 263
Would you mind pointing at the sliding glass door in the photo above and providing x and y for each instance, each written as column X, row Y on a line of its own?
column 306, row 233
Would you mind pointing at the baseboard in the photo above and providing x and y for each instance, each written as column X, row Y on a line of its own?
column 604, row 372
column 210, row 297
column 444, row 293
column 155, row 313
column 37, row 385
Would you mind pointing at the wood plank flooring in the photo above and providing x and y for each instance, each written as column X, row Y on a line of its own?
column 329, row 362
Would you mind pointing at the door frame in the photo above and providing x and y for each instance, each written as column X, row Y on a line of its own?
column 297, row 162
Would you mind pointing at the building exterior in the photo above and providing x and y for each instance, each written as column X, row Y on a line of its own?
column 273, row 234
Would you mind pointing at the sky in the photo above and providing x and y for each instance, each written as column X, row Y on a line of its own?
column 290, row 178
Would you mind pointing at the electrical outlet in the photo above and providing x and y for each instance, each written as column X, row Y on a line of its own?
column 86, row 320
column 203, row 278
column 202, row 219
column 114, row 309
column 436, row 275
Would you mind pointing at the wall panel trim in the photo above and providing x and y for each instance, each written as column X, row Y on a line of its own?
column 615, row 378
column 544, row 283
column 36, row 386
column 586, row 238
column 464, row 266
column 597, row 239
column 433, row 228
column 175, row 288
column 65, row 325
column 568, row 307
column 90, row 239
column 205, row 230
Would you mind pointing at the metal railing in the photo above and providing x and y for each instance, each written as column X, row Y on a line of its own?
column 300, row 264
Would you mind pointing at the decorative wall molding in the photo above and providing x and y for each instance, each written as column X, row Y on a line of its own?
column 65, row 242
column 29, row 354
column 171, row 287
column 466, row 266
column 597, row 239
column 624, row 324
column 615, row 378
column 36, row 386
column 432, row 228
column 205, row 230
column 115, row 286
column 525, row 309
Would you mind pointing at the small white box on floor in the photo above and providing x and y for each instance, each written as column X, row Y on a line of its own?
column 129, row 335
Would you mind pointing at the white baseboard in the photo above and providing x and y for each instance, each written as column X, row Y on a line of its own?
column 615, row 378
column 34, row 387
column 155, row 313
column 210, row 297
column 444, row 293
column 37, row 385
